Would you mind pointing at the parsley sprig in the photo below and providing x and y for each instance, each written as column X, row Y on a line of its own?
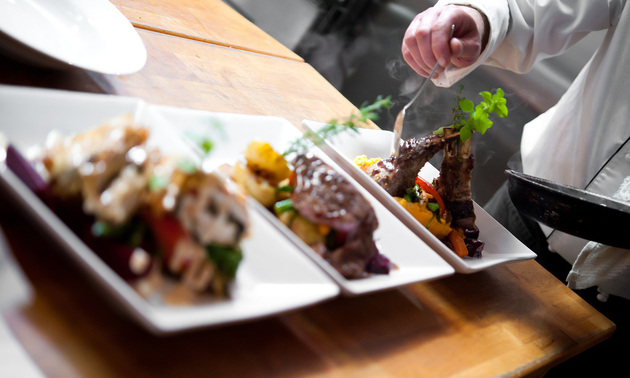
column 335, row 126
column 477, row 115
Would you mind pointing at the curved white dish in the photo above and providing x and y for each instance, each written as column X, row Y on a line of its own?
column 89, row 34
column 274, row 276
column 501, row 246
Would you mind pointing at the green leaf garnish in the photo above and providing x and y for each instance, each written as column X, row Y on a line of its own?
column 186, row 165
column 101, row 229
column 478, row 116
column 158, row 182
column 433, row 207
column 413, row 194
column 204, row 143
column 466, row 105
column 283, row 206
column 226, row 258
column 285, row 188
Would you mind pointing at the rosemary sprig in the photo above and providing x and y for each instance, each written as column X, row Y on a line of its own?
column 335, row 126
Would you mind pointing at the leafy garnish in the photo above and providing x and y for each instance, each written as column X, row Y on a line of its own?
column 186, row 165
column 133, row 232
column 335, row 126
column 435, row 209
column 283, row 206
column 158, row 182
column 102, row 229
column 477, row 114
column 413, row 194
column 226, row 258
column 205, row 143
column 285, row 188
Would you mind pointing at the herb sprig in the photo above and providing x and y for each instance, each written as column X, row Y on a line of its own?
column 477, row 115
column 335, row 126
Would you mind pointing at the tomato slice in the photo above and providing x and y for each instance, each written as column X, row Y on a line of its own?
column 424, row 185
column 167, row 231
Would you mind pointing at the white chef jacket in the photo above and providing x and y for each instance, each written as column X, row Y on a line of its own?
column 583, row 140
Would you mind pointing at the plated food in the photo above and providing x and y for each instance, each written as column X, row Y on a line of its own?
column 447, row 200
column 443, row 206
column 371, row 145
column 414, row 260
column 147, row 214
column 318, row 204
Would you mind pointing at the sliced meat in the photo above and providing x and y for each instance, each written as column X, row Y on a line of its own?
column 324, row 197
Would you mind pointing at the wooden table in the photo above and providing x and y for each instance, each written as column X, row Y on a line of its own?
column 514, row 320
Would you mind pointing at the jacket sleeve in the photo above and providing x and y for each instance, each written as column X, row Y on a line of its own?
column 523, row 32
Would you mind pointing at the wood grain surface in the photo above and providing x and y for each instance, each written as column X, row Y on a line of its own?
column 191, row 74
column 513, row 320
column 210, row 21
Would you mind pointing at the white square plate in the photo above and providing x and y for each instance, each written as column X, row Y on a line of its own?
column 274, row 276
column 415, row 260
column 501, row 246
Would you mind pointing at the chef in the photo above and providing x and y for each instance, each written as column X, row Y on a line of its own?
column 582, row 140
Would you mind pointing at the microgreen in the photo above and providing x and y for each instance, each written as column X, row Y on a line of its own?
column 204, row 143
column 413, row 194
column 478, row 115
column 226, row 258
column 435, row 209
column 186, row 165
column 283, row 206
column 333, row 127
column 158, row 182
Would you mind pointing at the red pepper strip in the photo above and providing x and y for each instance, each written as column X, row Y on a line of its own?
column 167, row 231
column 424, row 185
column 459, row 245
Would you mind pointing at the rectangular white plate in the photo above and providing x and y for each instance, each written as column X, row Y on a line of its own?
column 415, row 260
column 274, row 277
column 501, row 246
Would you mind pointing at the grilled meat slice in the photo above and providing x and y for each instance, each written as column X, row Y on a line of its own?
column 396, row 175
column 324, row 197
column 453, row 184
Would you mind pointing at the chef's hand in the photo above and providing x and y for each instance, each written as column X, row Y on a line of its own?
column 427, row 38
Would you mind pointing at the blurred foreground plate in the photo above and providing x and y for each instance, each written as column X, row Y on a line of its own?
column 89, row 34
column 501, row 246
column 273, row 277
column 571, row 210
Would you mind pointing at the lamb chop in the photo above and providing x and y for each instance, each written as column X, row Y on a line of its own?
column 453, row 184
column 397, row 174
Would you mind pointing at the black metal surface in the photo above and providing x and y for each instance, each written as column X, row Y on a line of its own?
column 568, row 209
